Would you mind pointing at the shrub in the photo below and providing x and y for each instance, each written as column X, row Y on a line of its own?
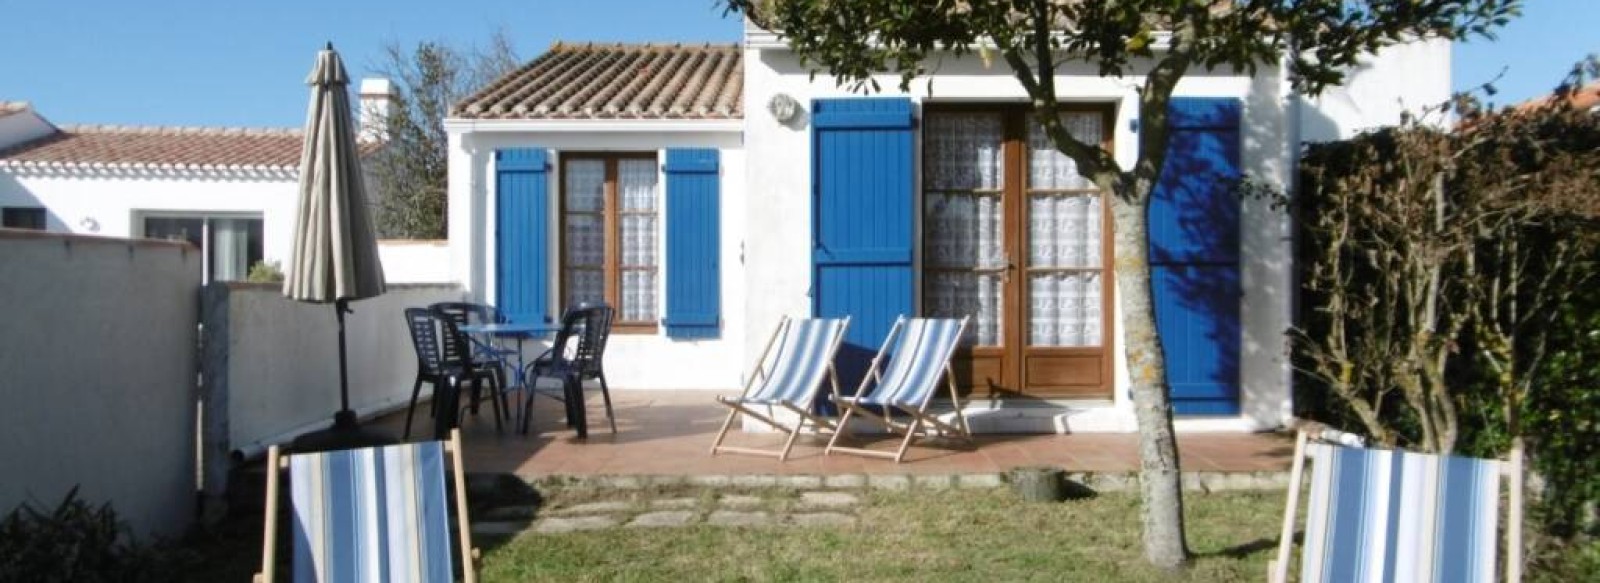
column 265, row 272
column 81, row 543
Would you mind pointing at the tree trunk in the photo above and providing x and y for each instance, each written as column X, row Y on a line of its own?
column 1159, row 475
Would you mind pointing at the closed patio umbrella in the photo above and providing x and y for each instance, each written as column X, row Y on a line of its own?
column 335, row 254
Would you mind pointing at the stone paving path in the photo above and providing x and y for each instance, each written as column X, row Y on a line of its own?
column 822, row 508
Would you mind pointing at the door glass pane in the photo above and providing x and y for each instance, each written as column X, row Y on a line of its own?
column 1064, row 309
column 1064, row 230
column 235, row 246
column 964, row 222
column 1064, row 236
column 176, row 229
column 1048, row 168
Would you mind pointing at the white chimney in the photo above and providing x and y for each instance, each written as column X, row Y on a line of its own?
column 377, row 100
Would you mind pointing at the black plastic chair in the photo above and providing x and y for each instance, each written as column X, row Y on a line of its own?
column 457, row 355
column 461, row 314
column 590, row 325
column 431, row 368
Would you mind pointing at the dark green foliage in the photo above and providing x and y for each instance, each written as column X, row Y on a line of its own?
column 80, row 543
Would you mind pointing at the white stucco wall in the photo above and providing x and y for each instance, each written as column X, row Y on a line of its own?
column 113, row 203
column 98, row 351
column 1399, row 79
column 415, row 261
column 1409, row 78
column 633, row 361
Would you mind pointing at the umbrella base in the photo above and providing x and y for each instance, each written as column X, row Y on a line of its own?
column 344, row 434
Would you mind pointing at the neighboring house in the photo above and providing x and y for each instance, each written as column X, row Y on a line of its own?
column 706, row 191
column 232, row 192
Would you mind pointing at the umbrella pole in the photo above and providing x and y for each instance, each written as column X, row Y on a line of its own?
column 345, row 418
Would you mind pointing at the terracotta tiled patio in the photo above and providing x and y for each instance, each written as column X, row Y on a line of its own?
column 670, row 433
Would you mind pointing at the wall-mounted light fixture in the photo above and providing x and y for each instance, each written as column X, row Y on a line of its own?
column 783, row 107
column 89, row 224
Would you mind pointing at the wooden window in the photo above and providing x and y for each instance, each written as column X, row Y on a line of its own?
column 610, row 225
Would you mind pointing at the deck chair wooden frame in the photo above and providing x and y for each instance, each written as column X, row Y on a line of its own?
column 740, row 405
column 277, row 462
column 1510, row 471
column 920, row 422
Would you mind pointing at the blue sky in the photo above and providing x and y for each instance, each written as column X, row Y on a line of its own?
column 238, row 63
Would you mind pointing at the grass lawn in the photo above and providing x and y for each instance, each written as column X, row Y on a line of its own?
column 960, row 535
column 946, row 536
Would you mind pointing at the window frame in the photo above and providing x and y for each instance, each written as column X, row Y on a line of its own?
column 611, row 268
column 6, row 214
column 142, row 218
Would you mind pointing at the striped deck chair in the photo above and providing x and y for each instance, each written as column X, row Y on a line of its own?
column 370, row 514
column 921, row 351
column 1390, row 515
column 789, row 380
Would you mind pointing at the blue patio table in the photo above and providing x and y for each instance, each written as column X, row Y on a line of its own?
column 483, row 335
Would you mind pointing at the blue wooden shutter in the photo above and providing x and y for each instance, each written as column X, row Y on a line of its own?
column 522, row 233
column 862, row 179
column 1194, row 256
column 693, row 242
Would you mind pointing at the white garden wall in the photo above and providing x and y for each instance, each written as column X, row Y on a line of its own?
column 98, row 349
column 272, row 366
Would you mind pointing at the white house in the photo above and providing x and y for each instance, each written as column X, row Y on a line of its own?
column 232, row 192
column 706, row 191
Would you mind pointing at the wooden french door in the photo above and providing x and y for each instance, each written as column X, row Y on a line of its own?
column 1015, row 239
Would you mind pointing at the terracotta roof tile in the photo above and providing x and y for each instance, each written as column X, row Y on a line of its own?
column 617, row 81
column 164, row 146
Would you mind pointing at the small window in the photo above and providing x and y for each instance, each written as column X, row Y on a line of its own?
column 17, row 217
column 609, row 233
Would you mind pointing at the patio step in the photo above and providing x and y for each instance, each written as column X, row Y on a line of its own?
column 1195, row 481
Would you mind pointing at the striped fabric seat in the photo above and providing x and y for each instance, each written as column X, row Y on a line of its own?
column 1383, row 515
column 804, row 353
column 371, row 514
column 914, row 357
column 918, row 361
column 787, row 382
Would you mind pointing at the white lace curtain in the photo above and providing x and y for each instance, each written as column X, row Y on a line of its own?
column 585, row 224
column 585, row 236
column 963, row 222
column 1063, row 232
column 636, row 183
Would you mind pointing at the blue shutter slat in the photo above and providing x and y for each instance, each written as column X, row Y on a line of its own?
column 522, row 233
column 863, row 172
column 693, row 230
column 1194, row 256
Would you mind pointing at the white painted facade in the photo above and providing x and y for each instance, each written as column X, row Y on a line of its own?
column 112, row 202
column 767, row 198
column 633, row 360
